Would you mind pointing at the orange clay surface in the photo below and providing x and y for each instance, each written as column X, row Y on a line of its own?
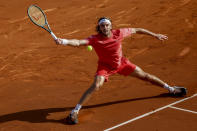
column 41, row 82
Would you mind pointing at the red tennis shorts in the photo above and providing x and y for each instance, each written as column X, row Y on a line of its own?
column 126, row 68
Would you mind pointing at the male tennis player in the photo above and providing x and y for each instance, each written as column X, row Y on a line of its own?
column 108, row 46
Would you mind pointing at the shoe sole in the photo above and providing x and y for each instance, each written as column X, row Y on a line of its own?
column 70, row 121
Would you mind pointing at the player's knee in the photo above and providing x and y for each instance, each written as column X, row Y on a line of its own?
column 143, row 75
column 148, row 76
column 95, row 86
column 99, row 82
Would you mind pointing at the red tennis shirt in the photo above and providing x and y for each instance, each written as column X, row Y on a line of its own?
column 109, row 50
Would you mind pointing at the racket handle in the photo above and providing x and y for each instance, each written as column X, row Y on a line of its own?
column 53, row 35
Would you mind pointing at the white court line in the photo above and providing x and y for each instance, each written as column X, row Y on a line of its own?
column 183, row 109
column 149, row 113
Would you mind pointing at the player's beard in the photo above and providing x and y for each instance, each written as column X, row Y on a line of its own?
column 106, row 32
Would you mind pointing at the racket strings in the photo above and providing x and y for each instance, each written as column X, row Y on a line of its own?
column 36, row 16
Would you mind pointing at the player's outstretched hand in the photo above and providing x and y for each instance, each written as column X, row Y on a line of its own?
column 161, row 37
column 58, row 41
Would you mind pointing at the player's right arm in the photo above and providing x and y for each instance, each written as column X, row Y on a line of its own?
column 71, row 42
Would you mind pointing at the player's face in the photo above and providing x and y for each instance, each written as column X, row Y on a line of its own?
column 105, row 28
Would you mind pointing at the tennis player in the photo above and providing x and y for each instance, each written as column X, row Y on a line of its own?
column 107, row 43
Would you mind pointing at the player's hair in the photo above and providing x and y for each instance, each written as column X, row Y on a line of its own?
column 98, row 27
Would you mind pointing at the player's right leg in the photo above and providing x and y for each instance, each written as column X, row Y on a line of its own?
column 98, row 82
column 73, row 116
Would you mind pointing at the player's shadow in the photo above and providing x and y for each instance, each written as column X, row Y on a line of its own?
column 40, row 115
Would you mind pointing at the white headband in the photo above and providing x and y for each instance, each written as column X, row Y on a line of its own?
column 104, row 20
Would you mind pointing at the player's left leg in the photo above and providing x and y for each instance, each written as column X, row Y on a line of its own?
column 139, row 73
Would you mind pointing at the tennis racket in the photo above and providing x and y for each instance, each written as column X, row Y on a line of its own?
column 38, row 17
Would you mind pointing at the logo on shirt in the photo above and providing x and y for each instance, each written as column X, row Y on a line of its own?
column 100, row 42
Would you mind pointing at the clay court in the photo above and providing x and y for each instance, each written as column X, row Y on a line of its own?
column 41, row 82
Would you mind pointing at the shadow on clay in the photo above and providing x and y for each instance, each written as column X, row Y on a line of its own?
column 40, row 115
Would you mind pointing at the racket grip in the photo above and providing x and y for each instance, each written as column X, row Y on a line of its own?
column 53, row 35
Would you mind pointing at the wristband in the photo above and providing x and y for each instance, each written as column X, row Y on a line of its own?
column 64, row 41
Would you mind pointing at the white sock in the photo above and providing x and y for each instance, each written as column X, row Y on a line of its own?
column 166, row 86
column 77, row 108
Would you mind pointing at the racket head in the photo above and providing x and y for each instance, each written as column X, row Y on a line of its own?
column 37, row 16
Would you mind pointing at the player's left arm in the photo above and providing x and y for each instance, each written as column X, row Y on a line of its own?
column 145, row 31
